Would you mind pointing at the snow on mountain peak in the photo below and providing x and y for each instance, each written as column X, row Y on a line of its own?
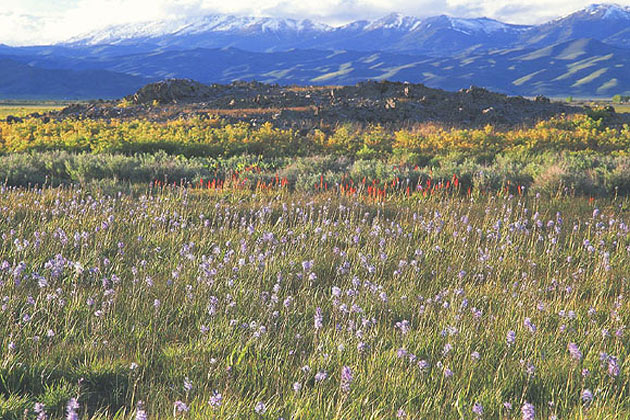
column 608, row 11
column 201, row 26
column 479, row 25
column 395, row 21
column 197, row 25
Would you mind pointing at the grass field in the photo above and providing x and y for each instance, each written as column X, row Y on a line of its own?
column 625, row 108
column 196, row 304
column 619, row 108
column 23, row 108
column 197, row 269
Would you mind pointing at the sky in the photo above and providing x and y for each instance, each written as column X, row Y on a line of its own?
column 29, row 22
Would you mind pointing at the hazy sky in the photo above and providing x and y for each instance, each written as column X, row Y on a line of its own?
column 45, row 21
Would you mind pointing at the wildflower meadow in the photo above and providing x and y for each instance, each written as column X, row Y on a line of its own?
column 181, row 302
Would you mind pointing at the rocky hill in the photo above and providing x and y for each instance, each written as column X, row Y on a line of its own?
column 320, row 106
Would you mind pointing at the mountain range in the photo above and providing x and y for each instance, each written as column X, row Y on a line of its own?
column 585, row 54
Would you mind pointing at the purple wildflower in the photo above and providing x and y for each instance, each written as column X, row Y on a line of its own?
column 318, row 319
column 181, row 407
column 71, row 409
column 510, row 338
column 587, row 396
column 40, row 410
column 575, row 352
column 528, row 411
column 404, row 326
column 188, row 386
column 321, row 376
column 613, row 366
column 140, row 413
column 346, row 378
column 260, row 408
column 478, row 409
column 216, row 399
column 530, row 325
column 530, row 369
column 447, row 349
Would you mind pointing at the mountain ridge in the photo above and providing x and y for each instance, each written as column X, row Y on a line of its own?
column 395, row 32
column 586, row 53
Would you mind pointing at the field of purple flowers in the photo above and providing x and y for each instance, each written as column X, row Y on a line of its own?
column 197, row 304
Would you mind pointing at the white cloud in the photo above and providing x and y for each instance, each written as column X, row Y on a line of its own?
column 46, row 21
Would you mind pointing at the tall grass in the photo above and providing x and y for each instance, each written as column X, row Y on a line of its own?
column 208, row 304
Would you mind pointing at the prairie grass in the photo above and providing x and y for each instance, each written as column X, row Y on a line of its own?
column 233, row 304
column 22, row 110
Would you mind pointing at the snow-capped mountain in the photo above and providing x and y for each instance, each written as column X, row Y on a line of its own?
column 392, row 32
column 584, row 53
column 156, row 30
column 394, row 21
column 608, row 23
column 608, row 11
column 483, row 25
column 438, row 35
column 211, row 31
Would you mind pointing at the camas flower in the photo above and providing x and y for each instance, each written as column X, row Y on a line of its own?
column 318, row 318
column 587, row 396
column 260, row 408
column 530, row 325
column 181, row 407
column 321, row 376
column 216, row 399
column 71, row 409
column 613, row 366
column 478, row 409
column 575, row 352
column 188, row 386
column 528, row 411
column 346, row 378
column 510, row 338
column 140, row 413
column 40, row 410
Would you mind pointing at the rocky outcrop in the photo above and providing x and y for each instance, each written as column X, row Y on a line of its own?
column 308, row 107
column 171, row 91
